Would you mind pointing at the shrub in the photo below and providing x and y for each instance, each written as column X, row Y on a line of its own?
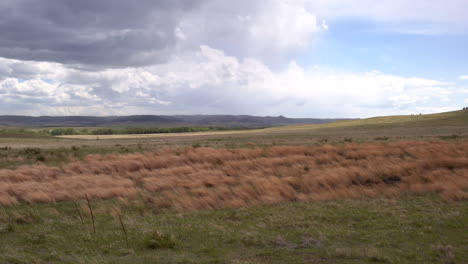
column 159, row 240
column 62, row 131
column 31, row 151
column 41, row 158
column 381, row 138
column 8, row 228
column 449, row 137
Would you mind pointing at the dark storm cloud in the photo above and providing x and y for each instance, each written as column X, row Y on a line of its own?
column 96, row 32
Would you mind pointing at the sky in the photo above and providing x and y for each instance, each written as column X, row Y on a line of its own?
column 296, row 58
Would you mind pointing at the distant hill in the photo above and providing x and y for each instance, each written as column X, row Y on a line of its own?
column 156, row 120
column 453, row 119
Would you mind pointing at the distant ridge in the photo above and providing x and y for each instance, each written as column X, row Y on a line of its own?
column 454, row 119
column 157, row 120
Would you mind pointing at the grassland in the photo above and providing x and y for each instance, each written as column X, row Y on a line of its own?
column 455, row 118
column 438, row 126
column 410, row 229
column 380, row 190
column 208, row 178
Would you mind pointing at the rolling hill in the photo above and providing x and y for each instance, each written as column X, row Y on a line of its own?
column 155, row 120
column 454, row 118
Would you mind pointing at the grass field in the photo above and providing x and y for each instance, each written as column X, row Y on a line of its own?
column 161, row 135
column 410, row 229
column 207, row 178
column 455, row 118
column 379, row 190
column 437, row 126
column 450, row 119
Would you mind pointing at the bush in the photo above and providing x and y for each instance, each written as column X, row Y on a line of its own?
column 30, row 151
column 159, row 240
column 62, row 131
column 8, row 228
column 449, row 137
column 103, row 131
column 381, row 138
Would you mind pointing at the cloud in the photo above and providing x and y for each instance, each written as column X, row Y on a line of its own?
column 463, row 77
column 170, row 56
column 249, row 28
column 105, row 32
column 119, row 33
column 207, row 81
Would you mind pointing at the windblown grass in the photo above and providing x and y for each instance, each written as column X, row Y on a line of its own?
column 196, row 178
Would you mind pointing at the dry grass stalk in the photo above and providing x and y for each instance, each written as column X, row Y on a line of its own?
column 79, row 213
column 91, row 212
column 123, row 229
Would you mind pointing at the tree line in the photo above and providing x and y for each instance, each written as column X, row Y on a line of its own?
column 139, row 130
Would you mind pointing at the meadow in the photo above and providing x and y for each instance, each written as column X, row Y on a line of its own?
column 380, row 190
column 208, row 178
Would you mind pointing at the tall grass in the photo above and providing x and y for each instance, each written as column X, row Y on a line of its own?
column 195, row 178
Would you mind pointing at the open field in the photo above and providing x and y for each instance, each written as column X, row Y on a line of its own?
column 410, row 229
column 160, row 135
column 382, row 190
column 455, row 118
column 437, row 126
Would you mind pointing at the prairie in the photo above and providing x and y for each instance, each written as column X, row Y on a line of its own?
column 162, row 135
column 408, row 229
column 379, row 190
column 394, row 128
column 207, row 178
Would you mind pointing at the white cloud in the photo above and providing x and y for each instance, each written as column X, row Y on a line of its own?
column 463, row 77
column 283, row 25
column 209, row 82
column 262, row 29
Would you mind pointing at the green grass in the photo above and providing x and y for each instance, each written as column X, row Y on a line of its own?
column 21, row 133
column 12, row 158
column 451, row 125
column 411, row 229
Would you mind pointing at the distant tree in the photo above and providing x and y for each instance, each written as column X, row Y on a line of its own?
column 62, row 131
column 103, row 131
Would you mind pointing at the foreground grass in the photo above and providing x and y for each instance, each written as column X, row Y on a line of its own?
column 411, row 229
